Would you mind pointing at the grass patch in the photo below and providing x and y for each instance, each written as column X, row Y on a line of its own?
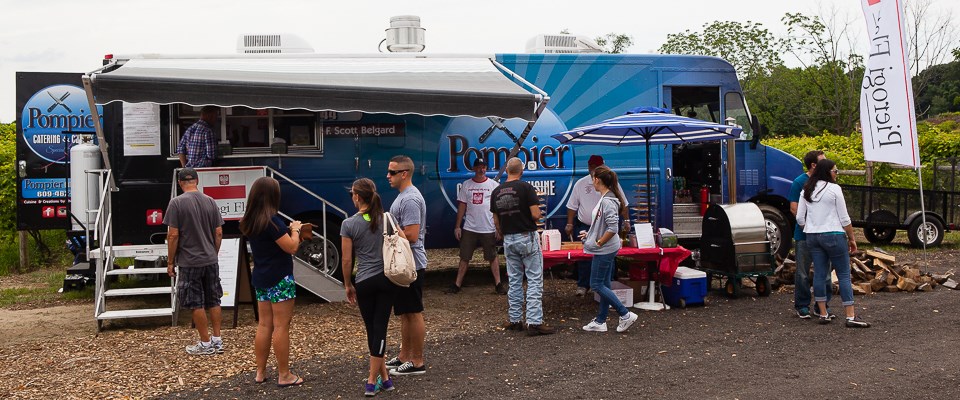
column 57, row 256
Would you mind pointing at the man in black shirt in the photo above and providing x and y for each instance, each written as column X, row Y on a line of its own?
column 516, row 209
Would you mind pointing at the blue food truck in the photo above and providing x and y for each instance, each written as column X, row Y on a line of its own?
column 322, row 121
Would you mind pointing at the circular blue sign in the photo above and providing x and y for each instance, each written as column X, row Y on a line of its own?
column 549, row 164
column 51, row 119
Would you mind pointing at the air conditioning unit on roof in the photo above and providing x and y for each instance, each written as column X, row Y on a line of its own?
column 562, row 43
column 272, row 43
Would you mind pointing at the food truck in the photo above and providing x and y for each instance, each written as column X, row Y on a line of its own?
column 318, row 122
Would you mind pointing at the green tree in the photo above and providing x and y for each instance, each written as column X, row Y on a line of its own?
column 8, row 182
column 749, row 47
column 942, row 92
column 614, row 43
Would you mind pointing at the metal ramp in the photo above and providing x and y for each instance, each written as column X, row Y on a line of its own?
column 315, row 263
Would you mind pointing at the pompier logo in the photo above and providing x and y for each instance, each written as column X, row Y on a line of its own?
column 466, row 139
column 52, row 118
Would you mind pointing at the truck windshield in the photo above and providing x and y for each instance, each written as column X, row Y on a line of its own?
column 735, row 108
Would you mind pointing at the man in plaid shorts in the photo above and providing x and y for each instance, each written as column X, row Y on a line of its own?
column 194, row 232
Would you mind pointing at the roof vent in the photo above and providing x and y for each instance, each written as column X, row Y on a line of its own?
column 272, row 44
column 405, row 34
column 562, row 43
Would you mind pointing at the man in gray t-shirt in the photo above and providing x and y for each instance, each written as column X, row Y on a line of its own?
column 411, row 213
column 194, row 232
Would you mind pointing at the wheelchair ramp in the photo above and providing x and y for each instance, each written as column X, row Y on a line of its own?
column 317, row 282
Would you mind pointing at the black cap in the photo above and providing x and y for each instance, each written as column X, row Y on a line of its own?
column 187, row 174
column 478, row 162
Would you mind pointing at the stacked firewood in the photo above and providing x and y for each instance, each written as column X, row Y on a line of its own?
column 876, row 271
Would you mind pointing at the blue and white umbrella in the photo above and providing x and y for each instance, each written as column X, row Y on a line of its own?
column 646, row 125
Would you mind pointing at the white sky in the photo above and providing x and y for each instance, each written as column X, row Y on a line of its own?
column 73, row 35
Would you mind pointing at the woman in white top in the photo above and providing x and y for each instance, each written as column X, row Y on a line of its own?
column 822, row 213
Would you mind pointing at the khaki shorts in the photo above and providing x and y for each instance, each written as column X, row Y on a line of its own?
column 470, row 240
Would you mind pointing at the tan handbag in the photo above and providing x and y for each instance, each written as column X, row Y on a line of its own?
column 398, row 264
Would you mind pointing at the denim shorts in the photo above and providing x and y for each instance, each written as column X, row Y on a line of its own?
column 283, row 291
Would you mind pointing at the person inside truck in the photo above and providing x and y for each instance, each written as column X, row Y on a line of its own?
column 801, row 280
column 823, row 214
column 198, row 145
column 583, row 200
column 473, row 210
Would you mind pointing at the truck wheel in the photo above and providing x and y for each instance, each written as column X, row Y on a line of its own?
column 314, row 250
column 881, row 235
column 933, row 230
column 778, row 230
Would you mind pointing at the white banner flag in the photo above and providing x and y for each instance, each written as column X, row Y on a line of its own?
column 887, row 115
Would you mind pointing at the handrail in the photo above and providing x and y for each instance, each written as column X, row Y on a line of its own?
column 308, row 191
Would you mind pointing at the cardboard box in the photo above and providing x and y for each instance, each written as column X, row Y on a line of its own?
column 639, row 288
column 623, row 292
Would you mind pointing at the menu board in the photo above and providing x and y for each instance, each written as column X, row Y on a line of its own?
column 229, row 259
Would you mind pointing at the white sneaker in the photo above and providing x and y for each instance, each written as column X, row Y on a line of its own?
column 218, row 346
column 595, row 326
column 200, row 349
column 626, row 321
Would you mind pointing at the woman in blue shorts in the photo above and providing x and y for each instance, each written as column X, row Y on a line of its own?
column 272, row 244
column 361, row 238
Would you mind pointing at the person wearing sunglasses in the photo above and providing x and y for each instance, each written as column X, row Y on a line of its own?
column 822, row 212
column 410, row 210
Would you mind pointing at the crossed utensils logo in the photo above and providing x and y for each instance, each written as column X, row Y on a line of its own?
column 58, row 101
column 497, row 124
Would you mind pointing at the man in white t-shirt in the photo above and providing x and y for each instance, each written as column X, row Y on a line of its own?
column 583, row 201
column 473, row 210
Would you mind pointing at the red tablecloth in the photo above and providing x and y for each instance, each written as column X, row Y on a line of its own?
column 668, row 259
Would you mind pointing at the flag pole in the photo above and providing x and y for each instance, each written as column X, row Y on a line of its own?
column 923, row 214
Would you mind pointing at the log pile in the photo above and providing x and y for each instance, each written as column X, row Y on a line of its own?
column 876, row 271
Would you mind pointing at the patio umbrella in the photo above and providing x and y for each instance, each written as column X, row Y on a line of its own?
column 646, row 125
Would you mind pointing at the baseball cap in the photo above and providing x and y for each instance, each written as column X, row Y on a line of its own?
column 595, row 161
column 186, row 174
column 478, row 162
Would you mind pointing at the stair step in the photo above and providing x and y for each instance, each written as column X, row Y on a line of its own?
column 138, row 291
column 137, row 271
column 139, row 313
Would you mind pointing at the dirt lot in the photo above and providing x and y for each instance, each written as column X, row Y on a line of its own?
column 742, row 348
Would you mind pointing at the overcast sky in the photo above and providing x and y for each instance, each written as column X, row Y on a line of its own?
column 73, row 35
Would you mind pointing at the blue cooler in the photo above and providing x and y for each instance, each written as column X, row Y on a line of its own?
column 689, row 287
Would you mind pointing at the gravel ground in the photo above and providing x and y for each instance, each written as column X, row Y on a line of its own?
column 742, row 348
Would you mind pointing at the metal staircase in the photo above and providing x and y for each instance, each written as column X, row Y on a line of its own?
column 314, row 264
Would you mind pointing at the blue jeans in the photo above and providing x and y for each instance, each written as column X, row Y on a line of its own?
column 830, row 249
column 522, row 251
column 600, row 283
column 583, row 267
column 801, row 281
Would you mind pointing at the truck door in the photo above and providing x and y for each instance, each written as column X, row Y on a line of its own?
column 693, row 165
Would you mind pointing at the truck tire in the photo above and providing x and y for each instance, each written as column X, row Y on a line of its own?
column 934, row 230
column 881, row 235
column 778, row 230
column 314, row 250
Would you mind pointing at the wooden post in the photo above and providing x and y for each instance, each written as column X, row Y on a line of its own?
column 24, row 254
column 869, row 173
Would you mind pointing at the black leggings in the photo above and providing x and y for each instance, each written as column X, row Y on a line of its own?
column 375, row 299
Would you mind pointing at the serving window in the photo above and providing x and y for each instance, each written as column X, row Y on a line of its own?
column 252, row 131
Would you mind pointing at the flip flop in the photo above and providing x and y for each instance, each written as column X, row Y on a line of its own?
column 296, row 382
column 259, row 382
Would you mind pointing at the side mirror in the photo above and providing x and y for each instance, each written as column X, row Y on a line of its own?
column 757, row 132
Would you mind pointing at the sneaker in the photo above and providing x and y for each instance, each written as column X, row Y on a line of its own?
column 542, row 329
column 200, row 349
column 218, row 346
column 626, row 321
column 394, row 363
column 803, row 312
column 581, row 291
column 502, row 288
column 856, row 322
column 830, row 315
column 595, row 326
column 385, row 385
column 370, row 389
column 409, row 369
column 823, row 320
column 453, row 289
column 513, row 326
